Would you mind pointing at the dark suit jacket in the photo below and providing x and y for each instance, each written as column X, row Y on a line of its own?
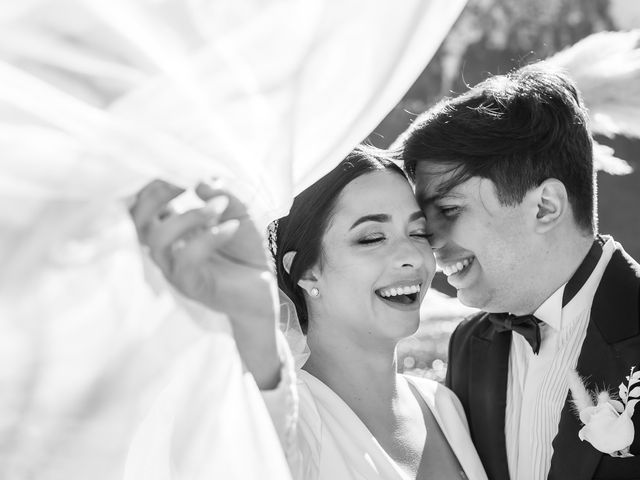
column 478, row 367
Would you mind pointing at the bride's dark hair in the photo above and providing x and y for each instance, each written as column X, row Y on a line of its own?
column 303, row 228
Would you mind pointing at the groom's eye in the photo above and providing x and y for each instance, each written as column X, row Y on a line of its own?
column 450, row 211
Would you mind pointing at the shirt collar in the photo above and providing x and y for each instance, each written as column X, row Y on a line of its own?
column 550, row 312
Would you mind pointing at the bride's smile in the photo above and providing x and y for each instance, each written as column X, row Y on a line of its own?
column 376, row 262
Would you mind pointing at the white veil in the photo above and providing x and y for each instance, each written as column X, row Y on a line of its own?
column 97, row 98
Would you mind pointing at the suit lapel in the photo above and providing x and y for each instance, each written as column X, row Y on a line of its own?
column 488, row 391
column 614, row 318
column 573, row 458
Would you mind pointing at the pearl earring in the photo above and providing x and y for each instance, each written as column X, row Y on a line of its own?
column 315, row 292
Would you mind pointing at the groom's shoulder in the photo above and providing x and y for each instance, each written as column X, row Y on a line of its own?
column 621, row 277
column 471, row 325
column 626, row 260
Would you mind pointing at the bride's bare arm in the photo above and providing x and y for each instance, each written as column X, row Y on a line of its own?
column 215, row 255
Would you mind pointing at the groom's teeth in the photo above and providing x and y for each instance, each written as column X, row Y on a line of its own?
column 456, row 267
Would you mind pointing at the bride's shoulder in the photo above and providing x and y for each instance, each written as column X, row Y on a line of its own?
column 441, row 401
column 432, row 390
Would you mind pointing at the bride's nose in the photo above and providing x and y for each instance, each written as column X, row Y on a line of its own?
column 409, row 254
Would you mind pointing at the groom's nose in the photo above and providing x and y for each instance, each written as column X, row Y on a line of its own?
column 437, row 233
column 437, row 240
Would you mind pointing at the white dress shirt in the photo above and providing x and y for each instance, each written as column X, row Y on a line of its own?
column 537, row 385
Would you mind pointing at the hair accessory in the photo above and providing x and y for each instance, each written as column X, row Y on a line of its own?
column 272, row 238
column 315, row 292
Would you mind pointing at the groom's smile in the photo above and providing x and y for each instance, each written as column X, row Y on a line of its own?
column 455, row 267
column 459, row 272
column 483, row 246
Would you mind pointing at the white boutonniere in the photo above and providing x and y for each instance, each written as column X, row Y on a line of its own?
column 607, row 421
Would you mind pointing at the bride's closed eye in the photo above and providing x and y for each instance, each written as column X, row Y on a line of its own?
column 421, row 234
column 371, row 239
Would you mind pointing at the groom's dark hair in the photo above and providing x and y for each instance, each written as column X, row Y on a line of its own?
column 517, row 130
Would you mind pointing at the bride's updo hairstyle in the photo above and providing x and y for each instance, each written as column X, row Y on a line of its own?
column 303, row 229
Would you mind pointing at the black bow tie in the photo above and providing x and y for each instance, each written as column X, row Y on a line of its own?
column 526, row 325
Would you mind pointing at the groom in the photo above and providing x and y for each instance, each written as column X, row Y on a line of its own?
column 504, row 174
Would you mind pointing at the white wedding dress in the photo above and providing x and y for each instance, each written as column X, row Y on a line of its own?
column 98, row 97
column 324, row 439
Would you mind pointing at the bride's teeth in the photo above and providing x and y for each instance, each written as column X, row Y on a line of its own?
column 392, row 292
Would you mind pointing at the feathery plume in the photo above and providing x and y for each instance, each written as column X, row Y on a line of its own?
column 581, row 398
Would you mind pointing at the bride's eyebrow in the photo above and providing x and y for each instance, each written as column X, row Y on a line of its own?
column 416, row 216
column 383, row 218
column 378, row 217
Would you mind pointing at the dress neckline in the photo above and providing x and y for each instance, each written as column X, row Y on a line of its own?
column 416, row 384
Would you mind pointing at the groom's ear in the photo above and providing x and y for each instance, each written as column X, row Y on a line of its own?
column 552, row 204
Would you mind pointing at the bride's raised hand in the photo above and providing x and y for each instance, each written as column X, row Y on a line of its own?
column 215, row 255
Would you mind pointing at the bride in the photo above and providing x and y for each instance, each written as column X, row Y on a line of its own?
column 354, row 258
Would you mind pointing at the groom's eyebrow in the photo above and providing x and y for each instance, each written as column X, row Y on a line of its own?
column 424, row 201
column 440, row 193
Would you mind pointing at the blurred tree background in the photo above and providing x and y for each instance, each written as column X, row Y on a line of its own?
column 495, row 37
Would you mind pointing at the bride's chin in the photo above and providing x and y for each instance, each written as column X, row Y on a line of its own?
column 407, row 326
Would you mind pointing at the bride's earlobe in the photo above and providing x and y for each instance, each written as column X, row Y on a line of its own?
column 309, row 283
column 308, row 280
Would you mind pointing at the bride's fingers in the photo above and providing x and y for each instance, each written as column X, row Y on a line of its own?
column 235, row 209
column 200, row 247
column 151, row 205
column 165, row 237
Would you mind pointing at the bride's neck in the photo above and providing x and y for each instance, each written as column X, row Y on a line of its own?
column 355, row 370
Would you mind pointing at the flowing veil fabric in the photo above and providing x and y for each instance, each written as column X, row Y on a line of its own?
column 96, row 99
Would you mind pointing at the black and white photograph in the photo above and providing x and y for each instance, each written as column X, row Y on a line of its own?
column 319, row 240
